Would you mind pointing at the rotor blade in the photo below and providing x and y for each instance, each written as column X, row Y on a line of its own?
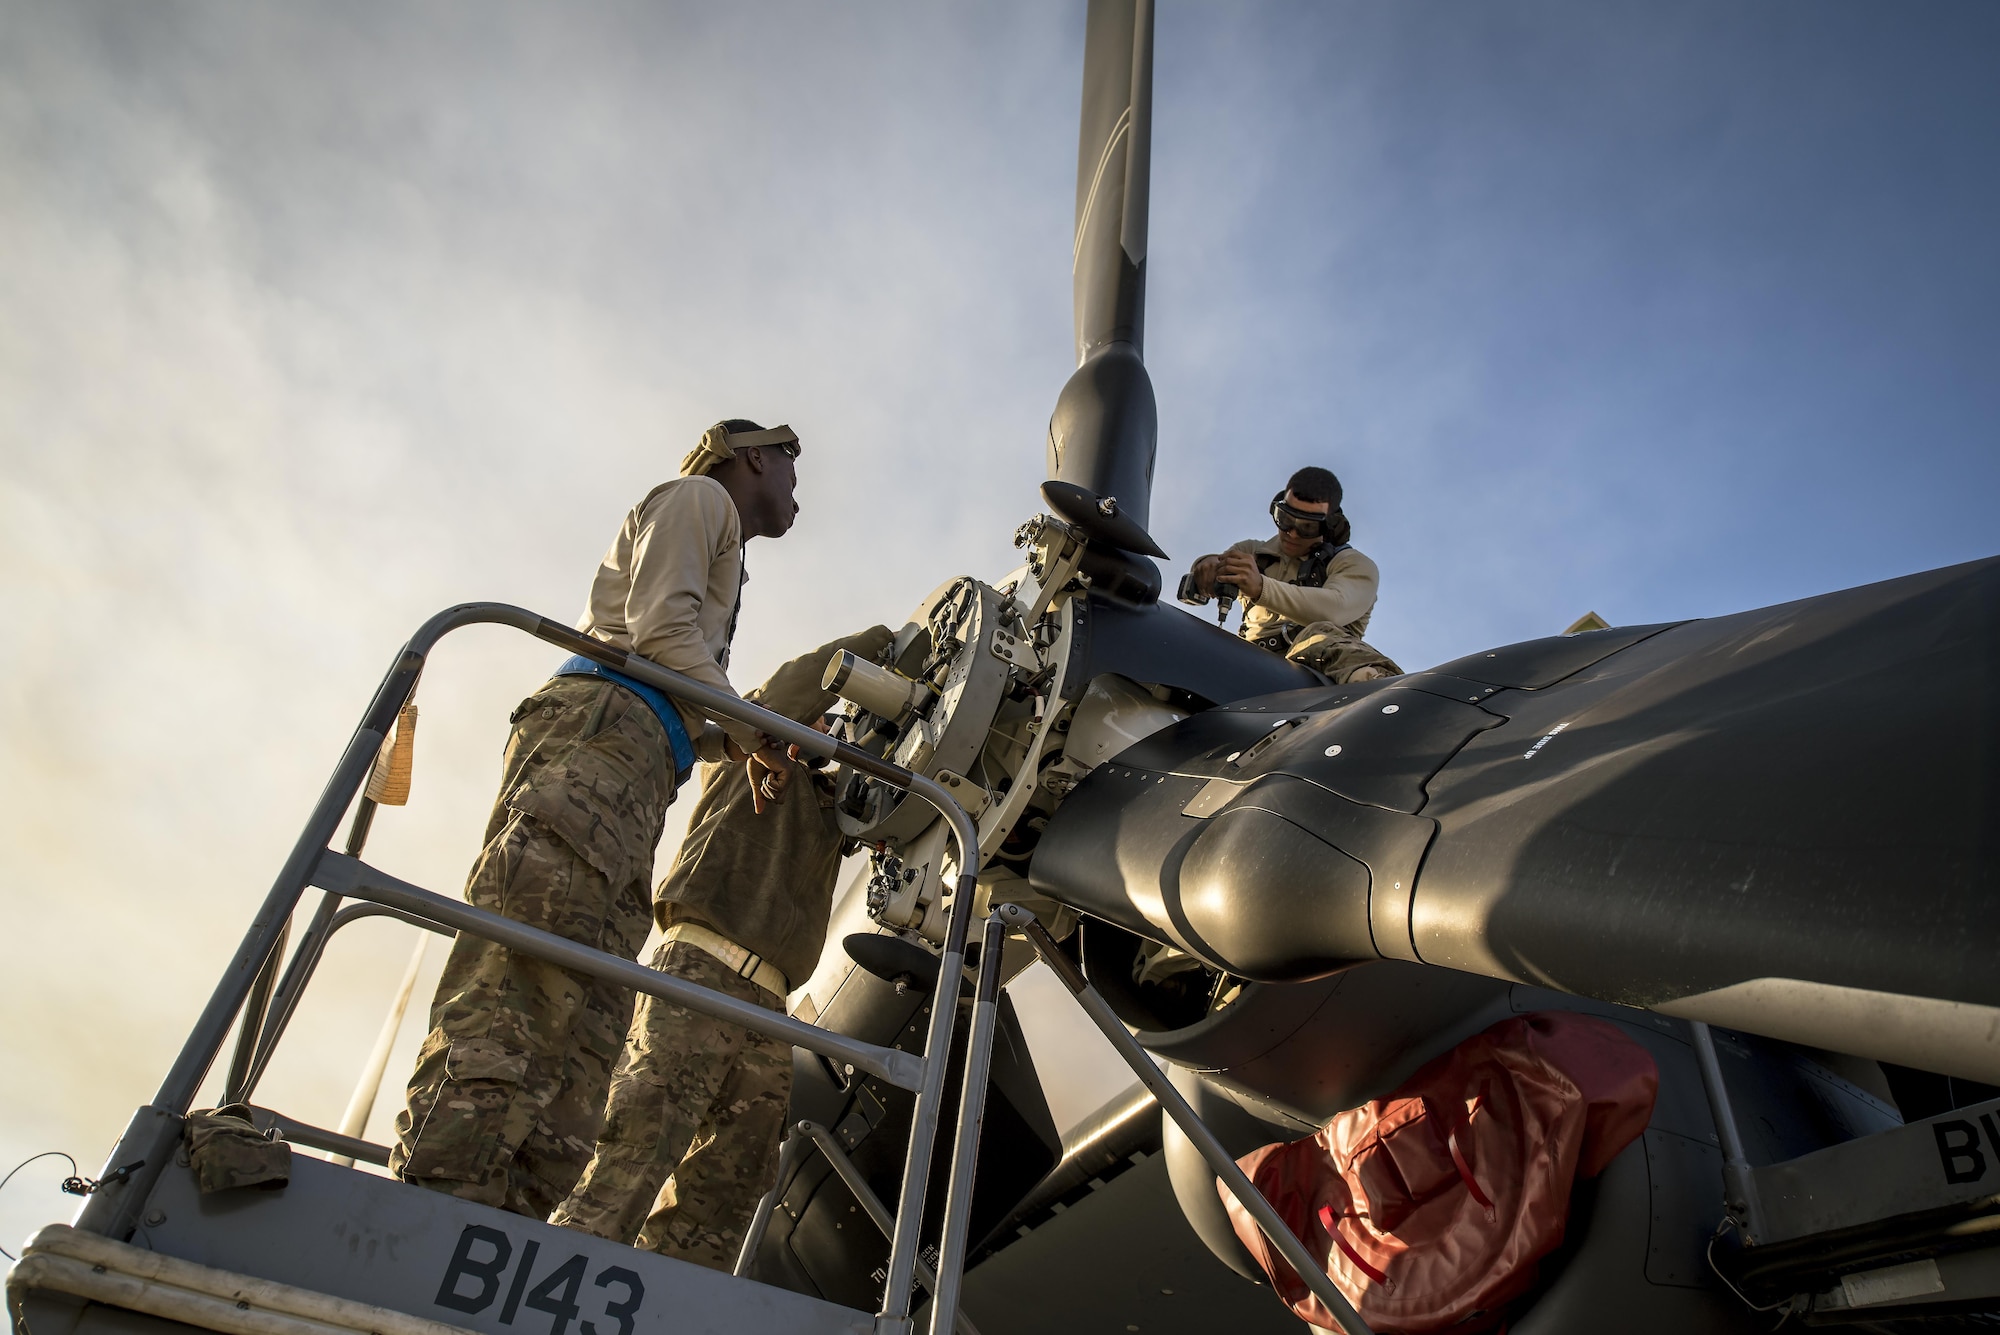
column 1114, row 156
column 1103, row 433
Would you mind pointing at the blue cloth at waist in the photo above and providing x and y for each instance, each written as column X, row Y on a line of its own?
column 657, row 700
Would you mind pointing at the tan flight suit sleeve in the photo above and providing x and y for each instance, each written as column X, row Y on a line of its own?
column 794, row 690
column 681, row 537
column 1349, row 593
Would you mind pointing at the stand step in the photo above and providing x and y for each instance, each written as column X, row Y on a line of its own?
column 342, row 1252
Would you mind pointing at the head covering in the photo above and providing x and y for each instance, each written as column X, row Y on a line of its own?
column 719, row 445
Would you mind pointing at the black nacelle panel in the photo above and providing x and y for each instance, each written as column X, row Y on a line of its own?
column 1389, row 844
column 1376, row 743
column 820, row 1243
column 1283, row 883
column 1271, row 900
column 1120, row 820
column 1276, row 846
column 1307, row 700
column 1809, row 791
column 1380, row 750
column 1534, row 664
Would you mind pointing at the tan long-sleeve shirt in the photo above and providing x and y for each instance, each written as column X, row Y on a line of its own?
column 1347, row 600
column 668, row 588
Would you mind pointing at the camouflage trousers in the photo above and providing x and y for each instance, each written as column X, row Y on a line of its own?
column 691, row 1132
column 508, row 1094
column 1340, row 654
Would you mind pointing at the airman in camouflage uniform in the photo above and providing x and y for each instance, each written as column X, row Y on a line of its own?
column 508, row 1094
column 508, row 1091
column 698, row 1106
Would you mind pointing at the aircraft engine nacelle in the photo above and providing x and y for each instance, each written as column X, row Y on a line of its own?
column 1779, row 821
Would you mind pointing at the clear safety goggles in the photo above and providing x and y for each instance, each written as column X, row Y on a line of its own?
column 1305, row 523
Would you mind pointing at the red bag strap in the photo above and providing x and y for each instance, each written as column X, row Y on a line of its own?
column 1326, row 1222
column 1465, row 1172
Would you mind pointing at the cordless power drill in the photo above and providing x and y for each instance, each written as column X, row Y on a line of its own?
column 1225, row 597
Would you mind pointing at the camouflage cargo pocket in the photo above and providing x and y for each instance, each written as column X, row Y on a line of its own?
column 465, row 1131
column 606, row 795
column 483, row 1059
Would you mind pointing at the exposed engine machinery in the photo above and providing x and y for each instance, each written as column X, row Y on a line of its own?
column 990, row 690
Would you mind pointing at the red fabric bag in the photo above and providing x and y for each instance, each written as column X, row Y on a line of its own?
column 1433, row 1205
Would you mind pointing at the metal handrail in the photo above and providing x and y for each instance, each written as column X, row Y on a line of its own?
column 952, row 1240
column 235, row 1088
column 111, row 1211
column 274, row 1018
column 319, row 1138
column 352, row 878
column 1739, row 1183
column 1309, row 1268
column 306, row 959
column 246, row 985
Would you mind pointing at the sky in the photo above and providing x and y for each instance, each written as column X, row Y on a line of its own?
column 317, row 318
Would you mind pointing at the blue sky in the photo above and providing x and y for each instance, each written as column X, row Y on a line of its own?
column 1662, row 310
column 318, row 318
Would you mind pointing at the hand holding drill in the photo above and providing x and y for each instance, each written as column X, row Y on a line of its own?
column 1224, row 578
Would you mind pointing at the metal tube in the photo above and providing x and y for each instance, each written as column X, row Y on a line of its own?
column 184, row 1078
column 790, row 1155
column 305, row 958
column 335, row 1143
column 355, row 912
column 1739, row 1189
column 304, row 964
column 1309, row 1269
column 971, row 1116
column 894, row 1318
column 881, row 691
column 310, row 856
column 357, row 880
column 354, row 1122
column 211, row 1028
column 864, row 1195
column 235, row 1087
